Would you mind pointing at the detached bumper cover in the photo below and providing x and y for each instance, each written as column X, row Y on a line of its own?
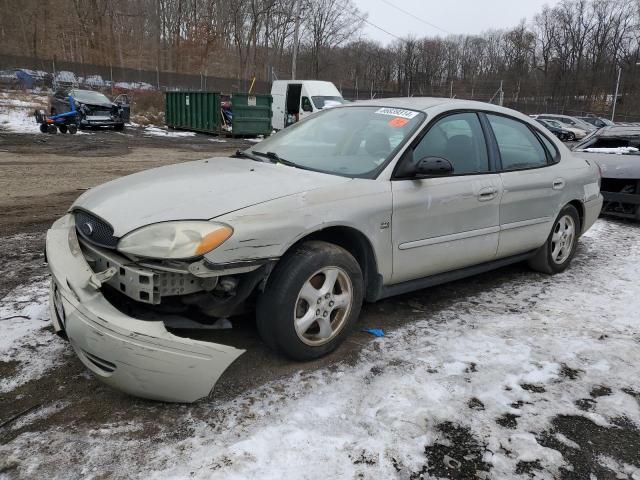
column 138, row 357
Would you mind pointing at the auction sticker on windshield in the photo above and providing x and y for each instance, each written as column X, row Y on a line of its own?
column 397, row 112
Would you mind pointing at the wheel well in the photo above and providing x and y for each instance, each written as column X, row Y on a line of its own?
column 580, row 207
column 358, row 245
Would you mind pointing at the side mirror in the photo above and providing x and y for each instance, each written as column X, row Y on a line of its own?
column 433, row 167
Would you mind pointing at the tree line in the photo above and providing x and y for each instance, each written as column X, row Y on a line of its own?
column 565, row 58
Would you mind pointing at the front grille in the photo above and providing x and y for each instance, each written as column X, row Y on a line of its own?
column 95, row 230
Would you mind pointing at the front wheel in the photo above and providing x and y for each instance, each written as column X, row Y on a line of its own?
column 556, row 254
column 311, row 301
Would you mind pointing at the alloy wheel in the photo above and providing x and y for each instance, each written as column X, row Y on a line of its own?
column 323, row 306
column 563, row 239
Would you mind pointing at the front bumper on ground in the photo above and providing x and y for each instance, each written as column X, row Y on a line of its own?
column 138, row 357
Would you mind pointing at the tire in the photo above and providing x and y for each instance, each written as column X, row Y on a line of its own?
column 44, row 128
column 553, row 257
column 73, row 129
column 62, row 128
column 299, row 289
column 119, row 127
column 52, row 129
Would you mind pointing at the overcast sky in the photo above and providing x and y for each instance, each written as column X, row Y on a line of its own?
column 454, row 16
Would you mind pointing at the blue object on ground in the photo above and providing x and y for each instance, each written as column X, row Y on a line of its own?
column 376, row 332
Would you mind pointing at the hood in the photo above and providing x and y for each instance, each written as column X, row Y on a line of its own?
column 615, row 166
column 199, row 190
column 98, row 104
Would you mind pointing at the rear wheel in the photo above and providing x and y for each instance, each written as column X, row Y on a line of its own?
column 311, row 302
column 73, row 129
column 62, row 128
column 119, row 127
column 556, row 254
column 52, row 129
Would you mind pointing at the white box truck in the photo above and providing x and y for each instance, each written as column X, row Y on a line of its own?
column 295, row 99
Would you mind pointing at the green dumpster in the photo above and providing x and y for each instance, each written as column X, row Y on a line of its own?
column 197, row 111
column 251, row 114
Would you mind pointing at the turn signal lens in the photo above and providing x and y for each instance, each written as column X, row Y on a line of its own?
column 213, row 240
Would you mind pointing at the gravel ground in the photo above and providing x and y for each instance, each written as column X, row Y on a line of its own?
column 510, row 374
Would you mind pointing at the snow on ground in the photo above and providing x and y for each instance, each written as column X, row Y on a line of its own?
column 18, row 120
column 26, row 335
column 153, row 131
column 471, row 390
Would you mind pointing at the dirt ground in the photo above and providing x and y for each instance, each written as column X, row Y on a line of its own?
column 43, row 174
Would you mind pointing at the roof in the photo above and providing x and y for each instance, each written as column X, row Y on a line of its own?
column 425, row 103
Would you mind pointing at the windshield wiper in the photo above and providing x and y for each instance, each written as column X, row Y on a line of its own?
column 245, row 154
column 275, row 158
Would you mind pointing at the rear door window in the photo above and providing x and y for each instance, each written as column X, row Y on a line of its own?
column 519, row 147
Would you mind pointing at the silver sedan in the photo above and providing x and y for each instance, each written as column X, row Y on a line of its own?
column 356, row 203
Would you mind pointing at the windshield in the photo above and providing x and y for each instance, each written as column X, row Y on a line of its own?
column 322, row 102
column 87, row 96
column 350, row 141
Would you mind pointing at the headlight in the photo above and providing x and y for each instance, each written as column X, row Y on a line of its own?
column 175, row 239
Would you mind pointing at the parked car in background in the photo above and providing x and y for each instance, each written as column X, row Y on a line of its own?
column 64, row 80
column 617, row 152
column 94, row 81
column 556, row 128
column 597, row 122
column 96, row 110
column 572, row 122
column 356, row 203
column 9, row 79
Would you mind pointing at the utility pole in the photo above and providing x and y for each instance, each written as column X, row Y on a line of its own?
column 615, row 97
column 296, row 40
column 451, row 91
column 501, row 94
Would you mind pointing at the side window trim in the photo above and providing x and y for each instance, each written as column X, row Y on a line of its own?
column 495, row 161
column 416, row 141
column 533, row 132
column 552, row 157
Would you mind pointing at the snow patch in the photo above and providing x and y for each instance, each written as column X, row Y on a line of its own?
column 153, row 131
column 26, row 334
column 18, row 121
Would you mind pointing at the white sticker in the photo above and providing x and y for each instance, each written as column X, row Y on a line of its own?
column 397, row 112
column 187, row 100
column 251, row 101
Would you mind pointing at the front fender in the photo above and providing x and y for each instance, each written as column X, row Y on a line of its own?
column 268, row 230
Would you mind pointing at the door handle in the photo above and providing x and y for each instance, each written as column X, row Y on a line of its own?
column 558, row 184
column 488, row 193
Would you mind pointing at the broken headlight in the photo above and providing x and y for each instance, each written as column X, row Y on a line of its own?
column 175, row 240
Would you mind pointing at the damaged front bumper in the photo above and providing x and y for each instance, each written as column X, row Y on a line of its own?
column 136, row 356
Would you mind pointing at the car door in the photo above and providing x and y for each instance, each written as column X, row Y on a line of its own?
column 532, row 181
column 446, row 223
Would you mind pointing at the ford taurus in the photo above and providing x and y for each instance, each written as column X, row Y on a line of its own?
column 355, row 203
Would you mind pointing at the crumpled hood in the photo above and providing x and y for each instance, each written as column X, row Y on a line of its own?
column 198, row 190
column 614, row 166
